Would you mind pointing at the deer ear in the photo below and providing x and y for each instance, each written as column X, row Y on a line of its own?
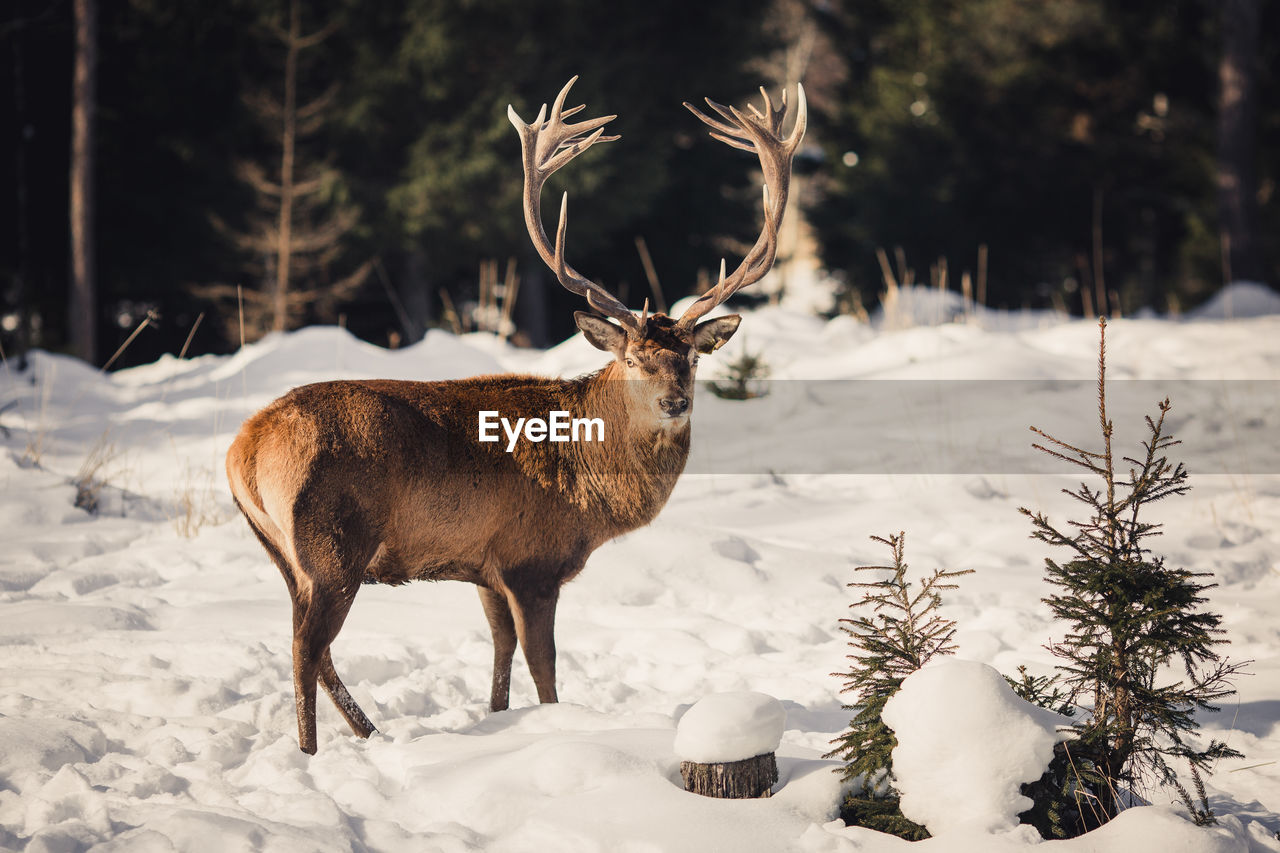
column 710, row 335
column 600, row 333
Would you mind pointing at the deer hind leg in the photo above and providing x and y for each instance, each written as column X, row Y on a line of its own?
column 342, row 699
column 317, row 618
column 535, row 618
column 321, row 602
column 503, row 628
column 309, row 624
column 301, row 597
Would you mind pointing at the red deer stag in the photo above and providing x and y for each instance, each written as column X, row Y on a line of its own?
column 386, row 482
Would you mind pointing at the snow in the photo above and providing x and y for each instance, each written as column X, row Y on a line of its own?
column 730, row 726
column 146, row 697
column 1241, row 299
column 959, row 719
column 915, row 306
column 1154, row 829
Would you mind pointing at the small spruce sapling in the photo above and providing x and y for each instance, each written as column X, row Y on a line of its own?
column 896, row 630
column 1130, row 617
column 743, row 378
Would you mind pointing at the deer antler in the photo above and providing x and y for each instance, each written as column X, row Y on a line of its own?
column 760, row 132
column 547, row 144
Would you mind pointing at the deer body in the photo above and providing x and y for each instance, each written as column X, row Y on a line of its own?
column 387, row 481
column 444, row 506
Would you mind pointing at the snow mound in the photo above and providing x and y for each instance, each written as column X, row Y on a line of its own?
column 966, row 743
column 279, row 362
column 730, row 727
column 908, row 307
column 1239, row 299
column 918, row 306
column 1166, row 829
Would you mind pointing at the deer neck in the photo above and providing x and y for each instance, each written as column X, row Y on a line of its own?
column 631, row 473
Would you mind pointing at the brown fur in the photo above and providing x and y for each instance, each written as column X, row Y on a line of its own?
column 386, row 481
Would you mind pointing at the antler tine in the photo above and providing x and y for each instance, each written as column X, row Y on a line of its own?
column 802, row 119
column 561, row 227
column 717, row 126
column 725, row 133
column 761, row 133
column 564, row 93
column 768, row 115
column 776, row 117
column 571, row 148
column 546, row 145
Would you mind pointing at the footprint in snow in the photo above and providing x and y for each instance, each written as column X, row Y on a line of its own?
column 1225, row 536
column 736, row 548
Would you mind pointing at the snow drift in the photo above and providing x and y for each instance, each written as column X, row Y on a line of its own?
column 145, row 676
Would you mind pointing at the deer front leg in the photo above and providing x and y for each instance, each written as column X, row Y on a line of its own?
column 503, row 628
column 535, row 619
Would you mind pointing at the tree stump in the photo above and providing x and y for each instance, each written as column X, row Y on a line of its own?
column 735, row 780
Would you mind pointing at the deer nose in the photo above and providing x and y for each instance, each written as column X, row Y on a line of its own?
column 674, row 406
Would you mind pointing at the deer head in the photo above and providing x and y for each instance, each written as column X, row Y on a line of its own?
column 658, row 353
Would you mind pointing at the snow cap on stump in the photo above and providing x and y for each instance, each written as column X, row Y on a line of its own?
column 725, row 727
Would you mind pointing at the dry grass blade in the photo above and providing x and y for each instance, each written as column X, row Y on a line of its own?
column 651, row 273
column 147, row 320
column 451, row 312
column 190, row 335
column 196, row 502
column 34, row 450
column 93, row 475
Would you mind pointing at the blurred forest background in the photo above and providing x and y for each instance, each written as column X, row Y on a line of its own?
column 295, row 162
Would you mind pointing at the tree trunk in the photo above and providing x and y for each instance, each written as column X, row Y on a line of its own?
column 83, row 304
column 1237, row 141
column 288, row 138
column 532, row 307
column 22, row 275
column 417, row 296
column 735, row 780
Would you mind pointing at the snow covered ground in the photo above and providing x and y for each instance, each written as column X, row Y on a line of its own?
column 145, row 688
